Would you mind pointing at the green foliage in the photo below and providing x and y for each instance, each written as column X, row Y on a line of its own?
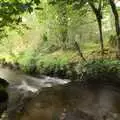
column 61, row 23
column 27, row 62
column 55, row 65
column 11, row 12
column 101, row 70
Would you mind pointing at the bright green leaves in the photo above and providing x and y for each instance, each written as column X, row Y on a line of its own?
column 11, row 12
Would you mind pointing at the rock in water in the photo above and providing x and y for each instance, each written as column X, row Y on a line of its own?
column 3, row 83
column 3, row 95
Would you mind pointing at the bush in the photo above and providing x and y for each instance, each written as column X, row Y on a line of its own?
column 50, row 65
column 101, row 70
column 27, row 62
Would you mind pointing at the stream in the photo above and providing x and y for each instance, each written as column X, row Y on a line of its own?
column 22, row 85
column 47, row 98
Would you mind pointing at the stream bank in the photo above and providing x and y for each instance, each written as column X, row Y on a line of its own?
column 75, row 70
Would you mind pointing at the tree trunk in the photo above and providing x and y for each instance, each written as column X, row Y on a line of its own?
column 98, row 14
column 116, row 16
column 79, row 50
column 101, row 34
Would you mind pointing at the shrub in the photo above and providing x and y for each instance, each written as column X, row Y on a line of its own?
column 27, row 62
column 101, row 70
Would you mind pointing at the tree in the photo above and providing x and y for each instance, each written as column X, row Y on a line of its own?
column 117, row 26
column 98, row 13
column 11, row 12
column 63, row 16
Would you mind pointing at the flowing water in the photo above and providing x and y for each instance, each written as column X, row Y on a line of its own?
column 46, row 98
column 22, row 86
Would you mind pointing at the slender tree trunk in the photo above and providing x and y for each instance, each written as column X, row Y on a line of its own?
column 117, row 27
column 101, row 35
column 79, row 50
column 98, row 14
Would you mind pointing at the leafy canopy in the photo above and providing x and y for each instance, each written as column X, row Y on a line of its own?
column 11, row 12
